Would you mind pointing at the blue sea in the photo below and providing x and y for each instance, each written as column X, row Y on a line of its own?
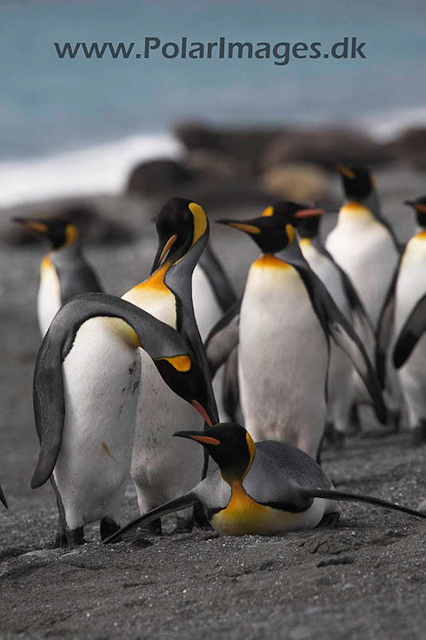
column 77, row 126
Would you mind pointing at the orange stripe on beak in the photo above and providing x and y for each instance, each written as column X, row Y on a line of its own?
column 169, row 244
column 348, row 173
column 205, row 440
column 307, row 213
column 202, row 412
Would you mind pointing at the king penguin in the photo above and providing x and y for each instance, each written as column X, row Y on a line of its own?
column 283, row 330
column 64, row 270
column 163, row 468
column 86, row 387
column 408, row 286
column 264, row 488
column 338, row 284
column 365, row 247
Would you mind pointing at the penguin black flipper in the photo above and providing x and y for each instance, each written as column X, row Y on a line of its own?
column 223, row 338
column 354, row 497
column 3, row 498
column 231, row 390
column 159, row 340
column 410, row 334
column 385, row 326
column 178, row 504
column 341, row 331
column 219, row 281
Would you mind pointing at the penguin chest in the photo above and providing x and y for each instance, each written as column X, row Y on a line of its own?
column 156, row 298
column 411, row 284
column 245, row 516
column 49, row 295
column 206, row 308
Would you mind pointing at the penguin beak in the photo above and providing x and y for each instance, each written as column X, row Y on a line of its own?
column 34, row 225
column 247, row 227
column 344, row 171
column 203, row 413
column 308, row 213
column 198, row 437
column 163, row 252
column 410, row 203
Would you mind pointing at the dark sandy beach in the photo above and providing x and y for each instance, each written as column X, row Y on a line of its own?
column 364, row 579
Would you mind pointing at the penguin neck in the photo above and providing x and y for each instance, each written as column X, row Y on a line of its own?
column 291, row 253
column 421, row 221
column 235, row 474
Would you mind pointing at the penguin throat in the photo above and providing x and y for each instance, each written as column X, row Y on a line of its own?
column 235, row 473
column 421, row 219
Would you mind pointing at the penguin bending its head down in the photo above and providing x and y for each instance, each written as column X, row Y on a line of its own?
column 262, row 488
column 86, row 387
column 408, row 287
column 283, row 329
column 64, row 270
column 163, row 468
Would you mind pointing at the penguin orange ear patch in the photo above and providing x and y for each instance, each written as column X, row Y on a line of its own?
column 180, row 363
column 268, row 212
column 200, row 221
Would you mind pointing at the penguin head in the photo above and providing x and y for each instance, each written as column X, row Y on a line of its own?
column 358, row 183
column 274, row 229
column 185, row 377
column 230, row 446
column 419, row 206
column 59, row 231
column 180, row 225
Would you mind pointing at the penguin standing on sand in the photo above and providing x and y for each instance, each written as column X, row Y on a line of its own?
column 163, row 468
column 262, row 488
column 338, row 284
column 283, row 330
column 365, row 247
column 86, row 387
column 64, row 271
column 408, row 286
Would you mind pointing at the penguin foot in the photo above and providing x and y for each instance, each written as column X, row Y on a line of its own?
column 355, row 426
column 333, row 439
column 153, row 528
column 108, row 527
column 329, row 520
column 183, row 525
column 418, row 434
column 200, row 518
column 75, row 537
column 394, row 421
column 60, row 541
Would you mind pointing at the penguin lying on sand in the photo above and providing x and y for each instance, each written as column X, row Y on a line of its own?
column 86, row 387
column 262, row 488
column 283, row 330
column 64, row 271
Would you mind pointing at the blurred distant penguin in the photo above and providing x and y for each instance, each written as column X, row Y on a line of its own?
column 86, row 388
column 64, row 270
column 162, row 467
column 365, row 247
column 338, row 284
column 408, row 287
column 262, row 488
column 283, row 331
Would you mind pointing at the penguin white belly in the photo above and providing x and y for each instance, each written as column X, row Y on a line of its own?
column 207, row 312
column 283, row 358
column 101, row 386
column 162, row 466
column 49, row 295
column 340, row 372
column 364, row 248
column 411, row 286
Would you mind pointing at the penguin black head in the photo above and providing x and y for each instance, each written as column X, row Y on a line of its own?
column 186, row 378
column 357, row 182
column 274, row 229
column 59, row 231
column 419, row 206
column 230, row 446
column 180, row 224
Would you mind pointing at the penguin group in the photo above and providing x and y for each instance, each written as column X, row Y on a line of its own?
column 319, row 330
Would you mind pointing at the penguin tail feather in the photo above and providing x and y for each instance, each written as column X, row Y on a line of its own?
column 354, row 497
column 128, row 532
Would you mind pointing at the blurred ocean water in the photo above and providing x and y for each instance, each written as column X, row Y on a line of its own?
column 69, row 125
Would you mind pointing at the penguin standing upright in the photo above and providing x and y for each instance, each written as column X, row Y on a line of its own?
column 283, row 329
column 64, row 270
column 161, row 467
column 86, row 387
column 365, row 247
column 409, row 285
column 262, row 488
column 338, row 284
